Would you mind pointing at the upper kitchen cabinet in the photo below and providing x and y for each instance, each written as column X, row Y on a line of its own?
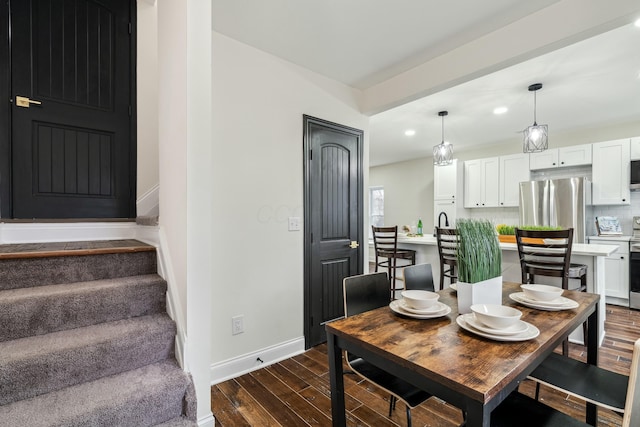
column 574, row 155
column 635, row 148
column 481, row 183
column 445, row 181
column 611, row 172
column 513, row 170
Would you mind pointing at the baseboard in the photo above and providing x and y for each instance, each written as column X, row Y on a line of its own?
column 249, row 362
column 149, row 203
column 66, row 232
column 207, row 421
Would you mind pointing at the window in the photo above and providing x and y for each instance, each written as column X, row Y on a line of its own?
column 376, row 206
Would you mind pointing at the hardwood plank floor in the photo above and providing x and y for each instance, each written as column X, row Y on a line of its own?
column 295, row 391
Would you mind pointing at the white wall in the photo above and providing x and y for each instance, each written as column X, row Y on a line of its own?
column 184, row 130
column 258, row 103
column 147, row 99
column 406, row 196
column 408, row 191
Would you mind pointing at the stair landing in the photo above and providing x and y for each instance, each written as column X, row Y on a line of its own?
column 55, row 249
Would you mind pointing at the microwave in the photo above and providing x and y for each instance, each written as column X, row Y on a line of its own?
column 635, row 175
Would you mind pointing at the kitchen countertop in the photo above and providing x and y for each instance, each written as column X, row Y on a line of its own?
column 588, row 249
column 614, row 238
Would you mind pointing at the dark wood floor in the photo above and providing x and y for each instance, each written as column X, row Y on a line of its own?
column 295, row 392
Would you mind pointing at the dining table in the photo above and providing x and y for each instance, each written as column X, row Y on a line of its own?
column 437, row 355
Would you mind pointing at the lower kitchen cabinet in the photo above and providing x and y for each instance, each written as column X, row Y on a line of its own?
column 617, row 271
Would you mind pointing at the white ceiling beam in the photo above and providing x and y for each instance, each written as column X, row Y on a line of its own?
column 556, row 26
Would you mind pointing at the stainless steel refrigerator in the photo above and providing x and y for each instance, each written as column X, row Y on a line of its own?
column 556, row 202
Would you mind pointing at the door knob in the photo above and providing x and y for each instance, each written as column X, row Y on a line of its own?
column 23, row 101
column 354, row 244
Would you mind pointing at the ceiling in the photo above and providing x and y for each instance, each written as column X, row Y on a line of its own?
column 593, row 83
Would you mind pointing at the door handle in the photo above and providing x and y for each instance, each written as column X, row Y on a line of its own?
column 354, row 244
column 23, row 101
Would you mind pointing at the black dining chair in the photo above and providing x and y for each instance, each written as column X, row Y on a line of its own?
column 522, row 411
column 385, row 242
column 548, row 253
column 419, row 276
column 448, row 240
column 368, row 292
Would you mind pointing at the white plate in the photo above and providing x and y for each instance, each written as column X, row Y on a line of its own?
column 520, row 298
column 397, row 308
column 530, row 333
column 454, row 287
column 558, row 302
column 435, row 308
column 516, row 328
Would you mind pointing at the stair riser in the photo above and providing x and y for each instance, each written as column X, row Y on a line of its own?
column 43, row 310
column 30, row 373
column 29, row 272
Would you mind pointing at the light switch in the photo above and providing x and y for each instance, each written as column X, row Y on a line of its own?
column 294, row 223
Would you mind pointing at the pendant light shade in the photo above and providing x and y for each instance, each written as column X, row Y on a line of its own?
column 443, row 152
column 536, row 137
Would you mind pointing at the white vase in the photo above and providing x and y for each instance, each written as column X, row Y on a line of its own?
column 485, row 292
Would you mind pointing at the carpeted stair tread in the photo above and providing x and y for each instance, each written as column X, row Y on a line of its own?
column 42, row 271
column 44, row 309
column 178, row 422
column 145, row 396
column 36, row 365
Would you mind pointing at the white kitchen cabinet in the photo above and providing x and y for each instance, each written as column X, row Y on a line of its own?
column 445, row 181
column 574, row 155
column 617, row 271
column 546, row 159
column 611, row 172
column 481, row 183
column 635, row 148
column 513, row 170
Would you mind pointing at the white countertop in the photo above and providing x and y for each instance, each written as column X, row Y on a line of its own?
column 612, row 238
column 588, row 249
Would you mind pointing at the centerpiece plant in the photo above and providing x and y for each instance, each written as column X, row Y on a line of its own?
column 479, row 264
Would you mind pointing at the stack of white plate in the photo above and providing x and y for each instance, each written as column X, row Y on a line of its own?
column 519, row 331
column 438, row 309
column 560, row 303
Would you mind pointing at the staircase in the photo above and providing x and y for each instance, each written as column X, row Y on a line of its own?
column 85, row 339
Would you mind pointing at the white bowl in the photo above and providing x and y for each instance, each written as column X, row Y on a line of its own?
column 496, row 316
column 420, row 299
column 541, row 292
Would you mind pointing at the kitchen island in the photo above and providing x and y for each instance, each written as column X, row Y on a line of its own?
column 591, row 255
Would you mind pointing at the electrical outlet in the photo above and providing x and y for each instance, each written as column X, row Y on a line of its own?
column 237, row 325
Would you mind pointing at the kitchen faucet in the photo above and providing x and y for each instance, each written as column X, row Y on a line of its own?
column 446, row 220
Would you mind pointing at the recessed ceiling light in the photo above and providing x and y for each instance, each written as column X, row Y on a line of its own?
column 637, row 23
column 410, row 132
column 500, row 110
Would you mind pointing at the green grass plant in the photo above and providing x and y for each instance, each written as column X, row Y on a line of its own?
column 510, row 230
column 479, row 254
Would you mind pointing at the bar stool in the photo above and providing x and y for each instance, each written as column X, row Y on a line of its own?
column 534, row 262
column 385, row 241
column 448, row 251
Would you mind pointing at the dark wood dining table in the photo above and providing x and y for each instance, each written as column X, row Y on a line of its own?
column 470, row 372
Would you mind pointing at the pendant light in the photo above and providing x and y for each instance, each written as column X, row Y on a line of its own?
column 536, row 137
column 443, row 152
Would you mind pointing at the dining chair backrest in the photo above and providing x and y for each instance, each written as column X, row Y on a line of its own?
column 385, row 239
column 631, row 417
column 448, row 240
column 419, row 276
column 545, row 253
column 365, row 292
